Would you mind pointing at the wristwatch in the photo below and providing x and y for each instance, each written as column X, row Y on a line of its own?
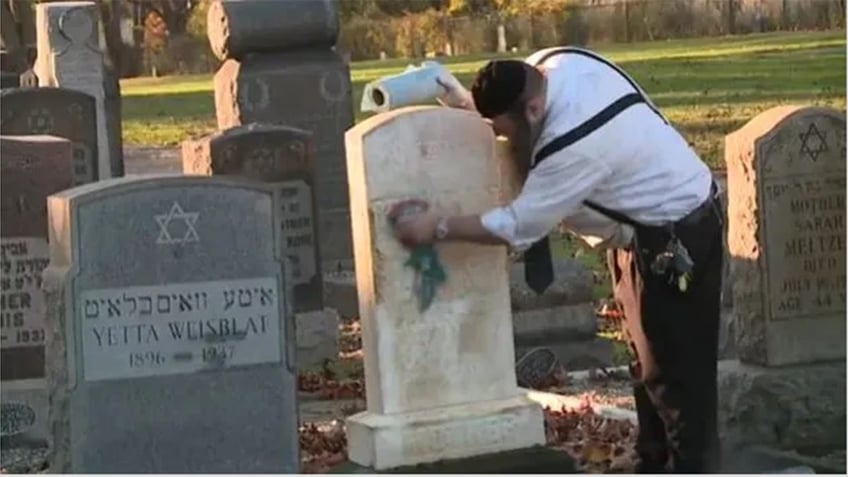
column 442, row 229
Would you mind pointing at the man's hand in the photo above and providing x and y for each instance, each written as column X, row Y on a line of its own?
column 413, row 229
column 455, row 95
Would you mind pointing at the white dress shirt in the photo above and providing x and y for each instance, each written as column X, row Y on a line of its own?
column 635, row 164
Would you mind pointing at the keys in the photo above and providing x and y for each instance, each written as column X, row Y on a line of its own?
column 675, row 264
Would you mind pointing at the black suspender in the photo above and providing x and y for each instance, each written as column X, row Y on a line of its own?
column 594, row 123
column 601, row 59
column 538, row 268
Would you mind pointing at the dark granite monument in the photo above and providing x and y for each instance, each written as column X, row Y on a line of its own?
column 280, row 67
column 171, row 348
column 32, row 167
column 58, row 112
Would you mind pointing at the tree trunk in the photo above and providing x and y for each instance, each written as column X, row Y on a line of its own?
column 110, row 16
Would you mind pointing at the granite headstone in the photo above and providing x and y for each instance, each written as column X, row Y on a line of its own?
column 69, row 56
column 786, row 234
column 31, row 168
column 281, row 156
column 236, row 28
column 263, row 65
column 58, row 112
column 171, row 343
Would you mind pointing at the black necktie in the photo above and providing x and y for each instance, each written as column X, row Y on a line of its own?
column 538, row 266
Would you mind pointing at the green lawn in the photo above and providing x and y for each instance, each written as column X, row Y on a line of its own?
column 707, row 87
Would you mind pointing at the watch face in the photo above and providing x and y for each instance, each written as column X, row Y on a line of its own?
column 442, row 229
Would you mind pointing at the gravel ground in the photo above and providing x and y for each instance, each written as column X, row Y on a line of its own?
column 23, row 460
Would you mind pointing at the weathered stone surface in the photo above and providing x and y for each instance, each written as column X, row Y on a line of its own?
column 559, row 323
column 317, row 337
column 799, row 407
column 340, row 294
column 280, row 156
column 58, row 112
column 786, row 205
column 440, row 384
column 31, row 168
column 727, row 335
column 573, row 284
column 727, row 282
column 69, row 57
column 171, row 344
column 260, row 89
column 236, row 28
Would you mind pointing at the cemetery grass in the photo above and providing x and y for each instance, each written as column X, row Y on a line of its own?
column 707, row 87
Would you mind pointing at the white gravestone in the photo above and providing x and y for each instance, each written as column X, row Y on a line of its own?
column 69, row 57
column 172, row 341
column 440, row 384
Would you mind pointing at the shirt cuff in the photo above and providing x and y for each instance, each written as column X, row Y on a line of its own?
column 503, row 223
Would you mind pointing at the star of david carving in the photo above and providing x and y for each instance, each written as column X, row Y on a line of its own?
column 813, row 142
column 177, row 214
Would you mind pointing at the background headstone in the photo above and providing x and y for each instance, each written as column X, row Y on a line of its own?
column 786, row 207
column 786, row 236
column 57, row 112
column 561, row 319
column 172, row 341
column 257, row 85
column 238, row 28
column 69, row 57
column 31, row 168
column 281, row 156
column 440, row 384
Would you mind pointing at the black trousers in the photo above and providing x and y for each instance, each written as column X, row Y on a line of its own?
column 674, row 337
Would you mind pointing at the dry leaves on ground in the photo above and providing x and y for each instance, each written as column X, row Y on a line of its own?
column 598, row 444
column 322, row 448
column 326, row 384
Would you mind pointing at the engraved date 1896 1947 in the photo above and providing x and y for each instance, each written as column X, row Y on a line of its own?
column 209, row 354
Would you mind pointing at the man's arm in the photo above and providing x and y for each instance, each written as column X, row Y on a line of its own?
column 552, row 191
column 469, row 228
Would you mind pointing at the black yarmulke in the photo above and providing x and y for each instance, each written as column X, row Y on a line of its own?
column 497, row 86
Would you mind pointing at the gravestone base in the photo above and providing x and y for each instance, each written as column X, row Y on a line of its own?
column 382, row 441
column 530, row 460
column 795, row 407
column 317, row 337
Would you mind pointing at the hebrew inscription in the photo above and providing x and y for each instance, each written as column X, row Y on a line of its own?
column 179, row 328
column 803, row 213
column 22, row 260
